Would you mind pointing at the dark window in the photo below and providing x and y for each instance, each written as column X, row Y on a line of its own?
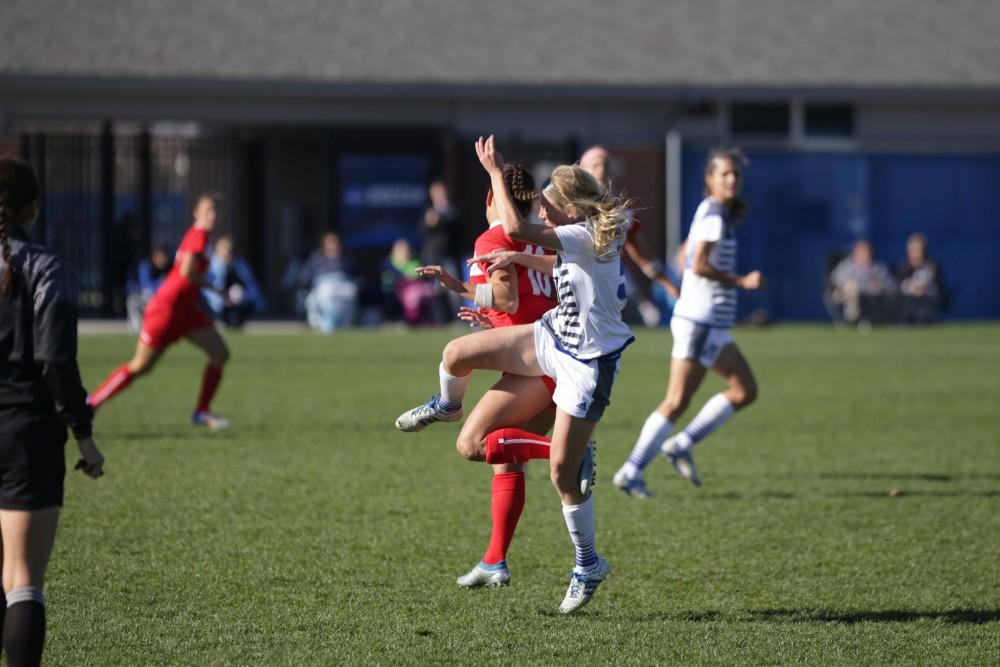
column 762, row 119
column 829, row 120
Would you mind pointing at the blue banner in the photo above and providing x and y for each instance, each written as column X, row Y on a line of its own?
column 806, row 208
column 382, row 199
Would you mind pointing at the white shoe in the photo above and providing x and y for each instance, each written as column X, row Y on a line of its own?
column 682, row 461
column 424, row 415
column 482, row 575
column 635, row 487
column 588, row 468
column 582, row 586
column 213, row 421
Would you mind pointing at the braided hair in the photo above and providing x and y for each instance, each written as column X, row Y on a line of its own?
column 521, row 186
column 18, row 190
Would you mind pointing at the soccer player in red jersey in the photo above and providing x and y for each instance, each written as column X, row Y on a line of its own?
column 505, row 297
column 175, row 312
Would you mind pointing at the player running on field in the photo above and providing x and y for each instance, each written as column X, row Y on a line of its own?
column 508, row 296
column 578, row 343
column 701, row 325
column 176, row 312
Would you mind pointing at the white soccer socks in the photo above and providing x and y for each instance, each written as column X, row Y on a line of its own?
column 583, row 531
column 453, row 389
column 716, row 411
column 654, row 433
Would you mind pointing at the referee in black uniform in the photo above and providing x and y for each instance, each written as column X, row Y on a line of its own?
column 40, row 396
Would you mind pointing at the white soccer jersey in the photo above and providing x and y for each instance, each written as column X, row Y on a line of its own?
column 704, row 300
column 587, row 322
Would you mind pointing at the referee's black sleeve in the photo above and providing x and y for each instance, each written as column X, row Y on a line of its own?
column 55, row 319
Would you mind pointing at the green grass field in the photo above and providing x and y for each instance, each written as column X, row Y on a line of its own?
column 314, row 533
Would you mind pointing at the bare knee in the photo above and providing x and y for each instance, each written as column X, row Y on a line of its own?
column 220, row 357
column 742, row 394
column 471, row 448
column 453, row 356
column 673, row 407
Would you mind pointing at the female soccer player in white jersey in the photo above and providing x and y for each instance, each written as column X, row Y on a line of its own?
column 578, row 343
column 701, row 325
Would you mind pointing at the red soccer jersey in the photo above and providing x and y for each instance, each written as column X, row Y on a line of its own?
column 535, row 292
column 175, row 287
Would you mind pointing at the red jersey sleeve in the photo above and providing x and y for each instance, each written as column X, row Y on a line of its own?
column 492, row 239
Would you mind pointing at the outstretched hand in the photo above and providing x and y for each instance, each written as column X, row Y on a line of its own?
column 447, row 281
column 488, row 155
column 495, row 259
column 476, row 317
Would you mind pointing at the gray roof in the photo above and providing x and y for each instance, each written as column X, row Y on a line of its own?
column 900, row 44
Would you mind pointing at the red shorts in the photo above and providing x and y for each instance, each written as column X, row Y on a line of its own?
column 163, row 324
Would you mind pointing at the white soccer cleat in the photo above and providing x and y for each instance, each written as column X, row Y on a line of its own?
column 588, row 468
column 483, row 575
column 635, row 486
column 582, row 586
column 682, row 461
column 424, row 415
column 213, row 421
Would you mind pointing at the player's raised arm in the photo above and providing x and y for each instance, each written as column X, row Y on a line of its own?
column 513, row 222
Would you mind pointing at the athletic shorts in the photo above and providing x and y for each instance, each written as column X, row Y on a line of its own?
column 164, row 323
column 32, row 459
column 583, row 388
column 700, row 342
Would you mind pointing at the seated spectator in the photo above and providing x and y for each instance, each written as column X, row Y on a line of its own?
column 400, row 281
column 234, row 295
column 149, row 274
column 863, row 287
column 441, row 235
column 920, row 287
column 332, row 289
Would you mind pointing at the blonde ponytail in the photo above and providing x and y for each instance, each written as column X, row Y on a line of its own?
column 606, row 214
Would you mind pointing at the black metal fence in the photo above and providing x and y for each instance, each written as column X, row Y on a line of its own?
column 109, row 200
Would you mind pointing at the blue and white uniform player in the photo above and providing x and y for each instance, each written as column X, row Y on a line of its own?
column 701, row 327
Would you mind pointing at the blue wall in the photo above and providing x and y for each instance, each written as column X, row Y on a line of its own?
column 803, row 207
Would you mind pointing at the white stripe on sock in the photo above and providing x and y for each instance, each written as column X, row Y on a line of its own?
column 25, row 594
column 452, row 389
column 583, row 531
column 116, row 381
column 523, row 441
